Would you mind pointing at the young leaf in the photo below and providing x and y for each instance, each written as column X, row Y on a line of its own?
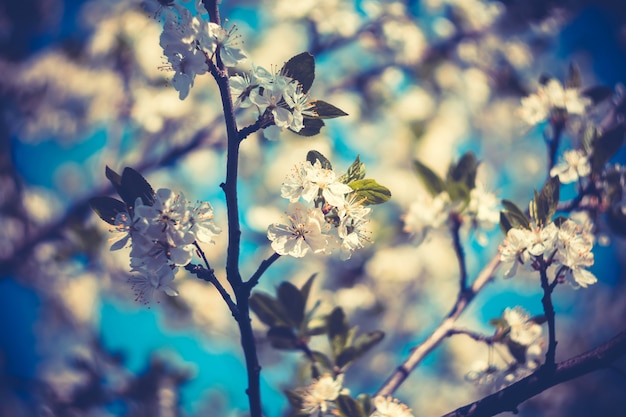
column 356, row 171
column 135, row 185
column 366, row 341
column 301, row 68
column 292, row 302
column 433, row 182
column 366, row 403
column 107, row 208
column 282, row 337
column 313, row 156
column 370, row 191
column 306, row 289
column 515, row 216
column 517, row 351
column 311, row 127
column 349, row 407
column 268, row 309
column 606, row 146
column 464, row 171
column 597, row 93
column 574, row 79
column 338, row 329
column 544, row 205
column 347, row 355
column 325, row 110
column 322, row 360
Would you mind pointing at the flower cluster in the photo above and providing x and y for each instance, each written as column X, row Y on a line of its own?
column 190, row 42
column 273, row 92
column 337, row 220
column 162, row 237
column 550, row 99
column 575, row 165
column 319, row 399
column 433, row 214
column 566, row 248
column 521, row 335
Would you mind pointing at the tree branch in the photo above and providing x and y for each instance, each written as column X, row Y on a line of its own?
column 548, row 309
column 442, row 331
column 254, row 279
column 510, row 397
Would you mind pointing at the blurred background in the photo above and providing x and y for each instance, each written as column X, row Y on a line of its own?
column 84, row 85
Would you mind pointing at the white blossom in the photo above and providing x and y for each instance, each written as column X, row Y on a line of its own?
column 522, row 330
column 149, row 279
column 575, row 165
column 428, row 214
column 390, row 407
column 304, row 232
column 318, row 398
column 574, row 254
column 549, row 97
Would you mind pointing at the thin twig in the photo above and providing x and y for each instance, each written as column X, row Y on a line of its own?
column 441, row 332
column 209, row 276
column 458, row 250
column 548, row 309
column 510, row 397
column 476, row 336
column 254, row 279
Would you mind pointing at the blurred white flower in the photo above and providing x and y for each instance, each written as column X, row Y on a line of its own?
column 522, row 330
column 549, row 97
column 390, row 407
column 304, row 232
column 428, row 214
column 318, row 398
column 575, row 165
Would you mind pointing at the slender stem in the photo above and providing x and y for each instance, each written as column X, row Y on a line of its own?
column 476, row 336
column 458, row 250
column 510, row 397
column 548, row 309
column 261, row 123
column 254, row 279
column 442, row 331
column 233, row 275
column 209, row 276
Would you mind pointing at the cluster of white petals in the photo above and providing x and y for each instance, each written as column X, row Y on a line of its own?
column 550, row 97
column 334, row 219
column 522, row 330
column 567, row 248
column 274, row 92
column 482, row 212
column 575, row 165
column 390, row 407
column 162, row 237
column 318, row 398
column 189, row 40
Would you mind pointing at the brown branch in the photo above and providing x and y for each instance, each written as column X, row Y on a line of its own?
column 548, row 310
column 441, row 332
column 510, row 397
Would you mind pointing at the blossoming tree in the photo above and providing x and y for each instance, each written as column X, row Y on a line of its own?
column 172, row 248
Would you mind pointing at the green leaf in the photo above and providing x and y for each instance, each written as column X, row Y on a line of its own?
column 313, row 156
column 325, row 110
column 349, row 407
column 291, row 300
column 107, row 208
column 322, row 360
column 338, row 329
column 366, row 403
column 306, row 289
column 458, row 191
column 574, row 80
column 464, row 171
column 356, row 171
column 511, row 217
column 360, row 346
column 597, row 93
column 370, row 191
column 589, row 136
column 135, row 185
column 544, row 205
column 311, row 127
column 301, row 68
column 282, row 337
column 606, row 146
column 268, row 309
column 433, row 182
